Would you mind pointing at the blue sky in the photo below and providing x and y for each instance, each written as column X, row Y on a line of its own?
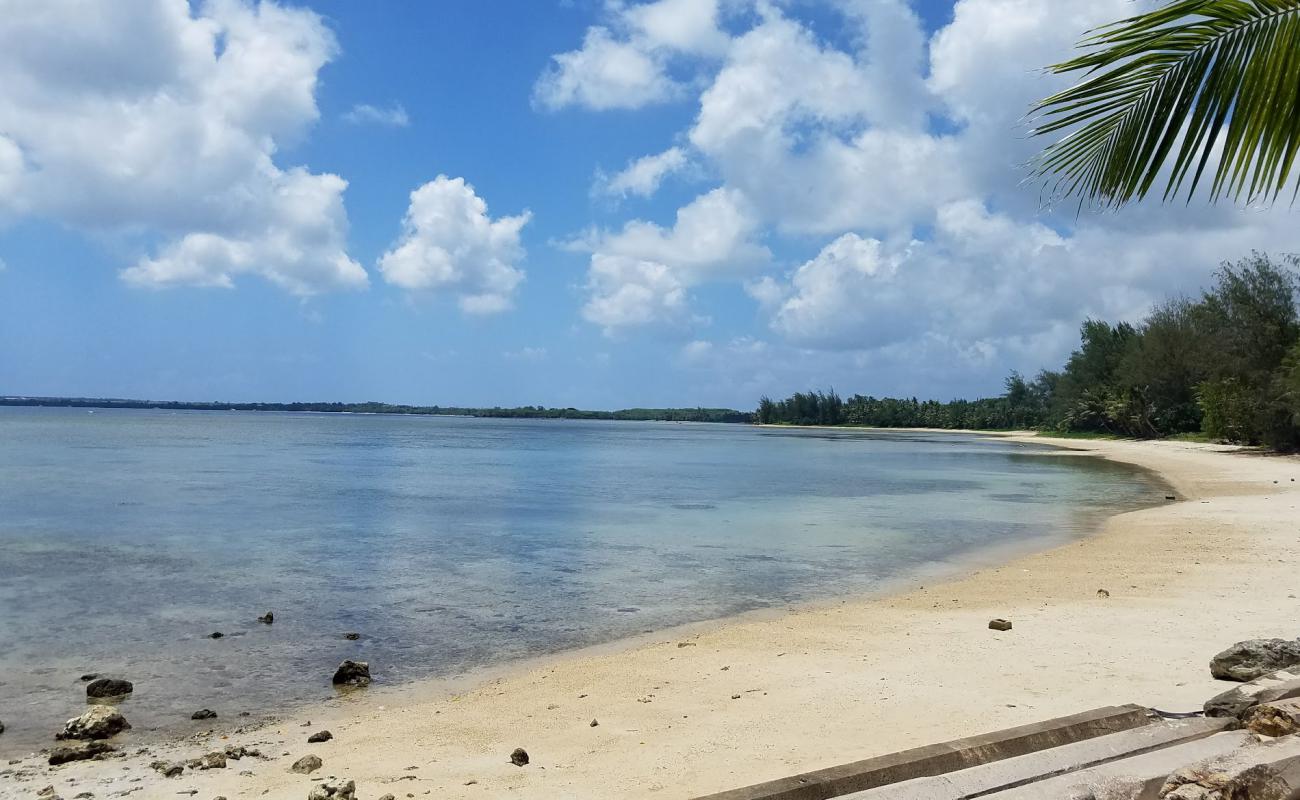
column 831, row 198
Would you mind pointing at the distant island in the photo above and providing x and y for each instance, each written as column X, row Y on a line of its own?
column 521, row 412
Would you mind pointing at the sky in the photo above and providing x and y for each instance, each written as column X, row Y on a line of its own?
column 591, row 203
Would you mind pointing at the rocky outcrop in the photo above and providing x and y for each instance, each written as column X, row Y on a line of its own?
column 81, row 752
column 1246, row 661
column 307, row 765
column 108, row 687
column 352, row 673
column 99, row 722
column 334, row 791
column 1280, row 685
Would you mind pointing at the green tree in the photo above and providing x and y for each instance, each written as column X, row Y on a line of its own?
column 1162, row 91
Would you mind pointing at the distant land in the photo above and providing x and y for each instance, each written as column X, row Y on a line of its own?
column 522, row 412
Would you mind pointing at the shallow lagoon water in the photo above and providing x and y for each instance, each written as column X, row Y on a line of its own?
column 126, row 537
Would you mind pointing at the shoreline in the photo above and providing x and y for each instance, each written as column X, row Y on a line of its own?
column 718, row 704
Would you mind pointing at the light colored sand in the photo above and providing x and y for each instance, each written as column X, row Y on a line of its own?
column 826, row 684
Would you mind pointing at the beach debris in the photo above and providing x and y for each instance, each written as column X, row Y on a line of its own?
column 595, row 724
column 267, row 618
column 107, row 687
column 519, row 757
column 1248, row 660
column 352, row 673
column 999, row 625
column 319, row 736
column 351, row 636
column 215, row 635
column 306, row 765
column 204, row 713
column 80, row 752
column 1278, row 718
column 334, row 791
column 168, row 769
column 1103, row 594
column 99, row 722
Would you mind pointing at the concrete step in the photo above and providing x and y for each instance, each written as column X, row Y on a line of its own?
column 999, row 776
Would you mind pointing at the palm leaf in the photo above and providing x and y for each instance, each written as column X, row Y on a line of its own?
column 1163, row 93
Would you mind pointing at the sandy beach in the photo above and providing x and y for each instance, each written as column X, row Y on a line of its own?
column 729, row 703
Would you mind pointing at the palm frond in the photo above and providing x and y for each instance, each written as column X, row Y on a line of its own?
column 1167, row 91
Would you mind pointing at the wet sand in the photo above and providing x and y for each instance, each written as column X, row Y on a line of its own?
column 733, row 702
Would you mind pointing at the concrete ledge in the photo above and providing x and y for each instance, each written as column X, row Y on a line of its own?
column 937, row 759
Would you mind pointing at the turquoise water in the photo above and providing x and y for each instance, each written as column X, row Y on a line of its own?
column 128, row 536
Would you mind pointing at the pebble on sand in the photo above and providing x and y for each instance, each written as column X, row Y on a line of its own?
column 519, row 757
column 320, row 736
column 999, row 625
column 306, row 765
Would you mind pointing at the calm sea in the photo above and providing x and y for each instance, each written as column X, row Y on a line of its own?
column 126, row 537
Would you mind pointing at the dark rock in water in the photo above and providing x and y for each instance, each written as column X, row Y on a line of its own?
column 168, row 769
column 333, row 791
column 99, row 722
column 2, row 726
column 204, row 713
column 352, row 673
column 999, row 625
column 628, row 610
column 215, row 635
column 519, row 757
column 307, row 765
column 82, row 752
column 351, row 636
column 267, row 618
column 108, row 687
column 319, row 736
column 90, row 676
column 1248, row 660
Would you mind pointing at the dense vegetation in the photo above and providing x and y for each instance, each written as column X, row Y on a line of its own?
column 1226, row 364
column 523, row 412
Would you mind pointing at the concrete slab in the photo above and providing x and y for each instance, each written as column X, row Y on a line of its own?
column 1022, row 770
column 938, row 759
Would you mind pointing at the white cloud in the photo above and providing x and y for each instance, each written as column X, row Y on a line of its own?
column 449, row 243
column 640, row 275
column 393, row 116
column 146, row 118
column 642, row 176
column 627, row 67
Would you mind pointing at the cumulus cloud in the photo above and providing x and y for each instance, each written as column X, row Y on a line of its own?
column 152, row 118
column 393, row 116
column 640, row 275
column 642, row 176
column 626, row 64
column 449, row 243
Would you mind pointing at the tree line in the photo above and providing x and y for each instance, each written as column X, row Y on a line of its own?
column 1225, row 365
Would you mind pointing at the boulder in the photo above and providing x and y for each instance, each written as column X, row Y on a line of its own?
column 99, row 722
column 1246, row 661
column 333, row 791
column 319, row 736
column 204, row 713
column 1278, row 718
column 81, row 752
column 1281, row 685
column 108, row 687
column 519, row 757
column 307, row 765
column 352, row 673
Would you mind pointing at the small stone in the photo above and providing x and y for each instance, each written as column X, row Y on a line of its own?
column 334, row 791
column 319, row 736
column 519, row 757
column 595, row 724
column 83, row 752
column 168, row 769
column 99, row 722
column 213, row 760
column 215, row 635
column 735, row 697
column 388, row 797
column 1102, row 593
column 306, row 765
column 267, row 618
column 107, row 687
column 204, row 713
column 352, row 673
column 48, row 791
column 999, row 625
